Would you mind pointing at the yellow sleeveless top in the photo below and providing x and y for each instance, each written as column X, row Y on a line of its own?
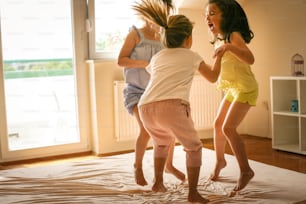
column 235, row 74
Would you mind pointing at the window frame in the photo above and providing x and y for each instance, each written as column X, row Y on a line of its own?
column 91, row 30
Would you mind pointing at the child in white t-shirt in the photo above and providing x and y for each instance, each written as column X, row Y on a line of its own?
column 164, row 106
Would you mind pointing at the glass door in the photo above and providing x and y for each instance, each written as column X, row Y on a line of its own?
column 39, row 76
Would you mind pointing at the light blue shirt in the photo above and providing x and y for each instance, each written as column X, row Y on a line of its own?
column 143, row 51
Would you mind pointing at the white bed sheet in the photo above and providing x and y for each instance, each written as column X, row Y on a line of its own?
column 111, row 180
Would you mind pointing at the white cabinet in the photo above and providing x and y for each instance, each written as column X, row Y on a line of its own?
column 288, row 121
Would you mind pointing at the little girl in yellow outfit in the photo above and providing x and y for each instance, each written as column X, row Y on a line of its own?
column 228, row 23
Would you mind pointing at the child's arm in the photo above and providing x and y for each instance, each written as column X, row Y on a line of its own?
column 238, row 47
column 211, row 73
column 124, row 59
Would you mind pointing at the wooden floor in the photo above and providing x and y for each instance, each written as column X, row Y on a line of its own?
column 258, row 149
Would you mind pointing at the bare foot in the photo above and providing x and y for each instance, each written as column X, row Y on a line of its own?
column 244, row 179
column 219, row 166
column 177, row 173
column 159, row 187
column 232, row 193
column 139, row 177
column 196, row 197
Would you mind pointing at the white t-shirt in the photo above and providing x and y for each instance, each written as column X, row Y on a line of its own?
column 172, row 71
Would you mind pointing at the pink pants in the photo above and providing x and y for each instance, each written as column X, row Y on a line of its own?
column 169, row 119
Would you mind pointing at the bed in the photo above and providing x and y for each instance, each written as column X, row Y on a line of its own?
column 110, row 180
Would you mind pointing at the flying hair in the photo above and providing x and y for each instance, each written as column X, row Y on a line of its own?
column 176, row 28
column 169, row 4
column 152, row 10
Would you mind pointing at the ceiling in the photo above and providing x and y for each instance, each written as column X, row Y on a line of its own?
column 196, row 4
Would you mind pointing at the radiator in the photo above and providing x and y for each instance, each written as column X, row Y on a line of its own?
column 204, row 102
column 126, row 126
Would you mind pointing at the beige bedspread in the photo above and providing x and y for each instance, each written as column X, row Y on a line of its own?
column 110, row 180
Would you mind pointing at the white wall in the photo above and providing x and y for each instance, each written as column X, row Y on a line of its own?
column 280, row 32
column 102, row 77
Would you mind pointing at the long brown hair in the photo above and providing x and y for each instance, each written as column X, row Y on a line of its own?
column 234, row 19
column 175, row 28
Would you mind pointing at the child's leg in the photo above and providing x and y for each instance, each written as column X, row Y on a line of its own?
column 157, row 127
column 182, row 127
column 169, row 164
column 193, row 178
column 219, row 140
column 159, row 165
column 176, row 122
column 235, row 115
column 141, row 145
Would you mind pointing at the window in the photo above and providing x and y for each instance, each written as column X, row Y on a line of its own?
column 40, row 68
column 108, row 24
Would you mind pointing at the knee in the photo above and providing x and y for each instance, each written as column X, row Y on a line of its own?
column 161, row 150
column 143, row 131
column 194, row 158
column 193, row 145
column 228, row 130
column 218, row 124
column 196, row 145
column 144, row 135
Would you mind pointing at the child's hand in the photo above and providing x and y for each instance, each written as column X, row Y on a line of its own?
column 220, row 51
